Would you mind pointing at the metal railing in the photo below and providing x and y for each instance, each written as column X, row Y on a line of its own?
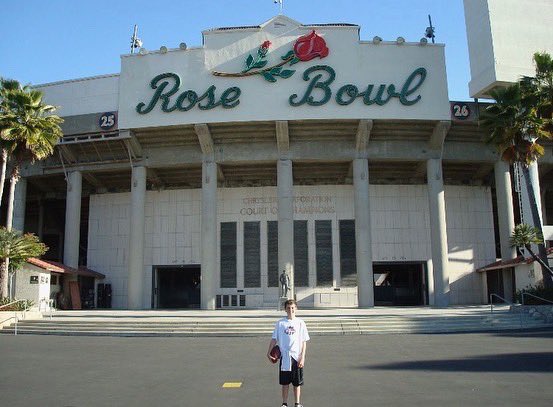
column 15, row 313
column 48, row 306
column 539, row 298
column 534, row 296
column 501, row 298
column 508, row 302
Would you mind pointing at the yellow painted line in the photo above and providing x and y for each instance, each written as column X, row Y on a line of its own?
column 232, row 385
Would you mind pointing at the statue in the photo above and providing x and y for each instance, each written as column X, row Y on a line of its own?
column 284, row 283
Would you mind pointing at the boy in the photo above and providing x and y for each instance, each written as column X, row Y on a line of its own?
column 291, row 336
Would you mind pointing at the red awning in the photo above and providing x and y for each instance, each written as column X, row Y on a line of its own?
column 503, row 264
column 45, row 265
column 60, row 268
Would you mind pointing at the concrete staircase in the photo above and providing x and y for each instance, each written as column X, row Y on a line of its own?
column 260, row 322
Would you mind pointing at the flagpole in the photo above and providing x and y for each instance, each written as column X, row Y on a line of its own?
column 280, row 3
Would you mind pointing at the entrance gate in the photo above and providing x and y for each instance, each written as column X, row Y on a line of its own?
column 175, row 287
column 400, row 284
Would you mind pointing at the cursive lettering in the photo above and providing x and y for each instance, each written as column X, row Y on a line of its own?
column 347, row 94
column 167, row 85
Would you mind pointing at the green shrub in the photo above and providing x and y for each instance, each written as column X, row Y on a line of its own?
column 18, row 306
column 539, row 291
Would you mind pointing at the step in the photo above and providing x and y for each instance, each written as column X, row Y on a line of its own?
column 245, row 332
column 230, row 333
column 126, row 323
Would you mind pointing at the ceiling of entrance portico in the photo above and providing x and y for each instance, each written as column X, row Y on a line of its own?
column 105, row 162
column 89, row 148
column 299, row 130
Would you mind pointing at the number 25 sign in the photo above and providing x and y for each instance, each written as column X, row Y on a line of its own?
column 108, row 120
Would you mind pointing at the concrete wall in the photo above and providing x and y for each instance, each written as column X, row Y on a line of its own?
column 502, row 37
column 470, row 238
column 108, row 241
column 24, row 290
column 527, row 275
column 399, row 219
column 82, row 96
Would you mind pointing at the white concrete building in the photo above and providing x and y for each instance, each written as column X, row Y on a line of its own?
column 503, row 36
column 197, row 175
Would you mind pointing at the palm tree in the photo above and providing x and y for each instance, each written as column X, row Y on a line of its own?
column 524, row 236
column 7, row 88
column 516, row 122
column 29, row 132
column 539, row 89
column 18, row 248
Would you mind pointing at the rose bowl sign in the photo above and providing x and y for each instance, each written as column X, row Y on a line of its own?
column 319, row 90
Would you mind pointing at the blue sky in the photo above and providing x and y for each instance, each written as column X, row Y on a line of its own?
column 46, row 41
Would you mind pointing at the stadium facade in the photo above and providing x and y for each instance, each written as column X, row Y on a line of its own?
column 196, row 176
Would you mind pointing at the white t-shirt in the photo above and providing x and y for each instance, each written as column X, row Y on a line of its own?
column 290, row 335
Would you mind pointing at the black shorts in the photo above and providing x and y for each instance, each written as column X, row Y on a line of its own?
column 295, row 377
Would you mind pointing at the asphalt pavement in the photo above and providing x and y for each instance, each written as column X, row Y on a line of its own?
column 493, row 369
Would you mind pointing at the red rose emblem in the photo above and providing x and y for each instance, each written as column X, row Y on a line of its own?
column 266, row 45
column 310, row 46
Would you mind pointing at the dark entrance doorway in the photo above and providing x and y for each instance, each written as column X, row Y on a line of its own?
column 400, row 284
column 494, row 278
column 176, row 287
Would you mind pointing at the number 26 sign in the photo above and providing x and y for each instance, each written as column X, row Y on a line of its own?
column 460, row 111
column 108, row 120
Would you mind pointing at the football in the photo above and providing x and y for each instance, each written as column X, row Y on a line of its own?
column 275, row 354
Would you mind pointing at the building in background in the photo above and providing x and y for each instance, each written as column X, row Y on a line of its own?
column 503, row 36
column 197, row 175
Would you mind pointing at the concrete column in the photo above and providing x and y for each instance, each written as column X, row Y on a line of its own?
column 505, row 211
column 363, row 250
column 20, row 200
column 72, row 219
column 535, row 177
column 285, row 192
column 506, row 217
column 40, row 219
column 209, row 234
column 430, row 282
column 544, row 206
column 526, row 207
column 136, row 239
column 438, row 232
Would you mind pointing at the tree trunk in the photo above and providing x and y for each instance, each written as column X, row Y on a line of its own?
column 5, row 265
column 4, row 278
column 11, row 197
column 547, row 277
column 3, row 163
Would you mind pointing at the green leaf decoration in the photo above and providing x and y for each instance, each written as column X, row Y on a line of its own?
column 295, row 60
column 288, row 55
column 269, row 77
column 260, row 64
column 287, row 73
column 276, row 71
column 249, row 61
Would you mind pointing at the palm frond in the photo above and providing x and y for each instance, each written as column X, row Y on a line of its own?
column 19, row 247
column 524, row 235
column 29, row 127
